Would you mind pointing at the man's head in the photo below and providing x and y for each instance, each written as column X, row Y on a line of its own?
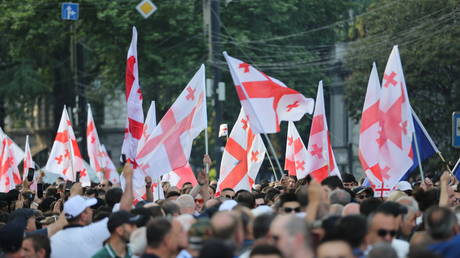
column 291, row 235
column 261, row 226
column 441, row 223
column 353, row 230
column 121, row 224
column 350, row 209
column 227, row 225
column 228, row 193
column 382, row 227
column 409, row 220
column 77, row 210
column 113, row 196
column 259, row 199
column 337, row 248
column 349, row 181
column 171, row 208
column 339, row 196
column 246, row 199
column 363, row 193
column 186, row 204
column 164, row 235
column 36, row 246
column 333, row 182
column 27, row 215
column 289, row 203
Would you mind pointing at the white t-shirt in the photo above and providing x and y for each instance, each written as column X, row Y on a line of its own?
column 79, row 242
column 401, row 247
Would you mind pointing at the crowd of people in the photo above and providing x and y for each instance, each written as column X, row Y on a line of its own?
column 337, row 217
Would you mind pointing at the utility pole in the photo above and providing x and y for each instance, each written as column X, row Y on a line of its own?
column 211, row 12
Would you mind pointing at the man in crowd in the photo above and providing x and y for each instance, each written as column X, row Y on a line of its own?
column 120, row 225
column 291, row 235
column 163, row 238
column 36, row 246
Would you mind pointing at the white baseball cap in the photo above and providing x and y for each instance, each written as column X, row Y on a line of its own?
column 403, row 186
column 75, row 205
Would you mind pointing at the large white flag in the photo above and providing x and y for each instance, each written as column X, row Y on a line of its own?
column 266, row 100
column 396, row 124
column 368, row 150
column 65, row 158
column 170, row 144
column 320, row 162
column 135, row 122
column 242, row 158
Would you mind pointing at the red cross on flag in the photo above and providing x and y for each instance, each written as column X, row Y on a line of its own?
column 395, row 122
column 95, row 154
column 135, row 122
column 65, row 158
column 266, row 100
column 296, row 153
column 368, row 150
column 170, row 144
column 320, row 161
column 9, row 172
column 242, row 158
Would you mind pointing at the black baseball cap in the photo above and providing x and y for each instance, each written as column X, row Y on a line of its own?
column 121, row 217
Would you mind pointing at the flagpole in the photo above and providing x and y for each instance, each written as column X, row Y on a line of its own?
column 206, row 147
column 273, row 167
column 444, row 161
column 418, row 155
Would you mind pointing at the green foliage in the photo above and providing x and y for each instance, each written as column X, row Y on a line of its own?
column 427, row 32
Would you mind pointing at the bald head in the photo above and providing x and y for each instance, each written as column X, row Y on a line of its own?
column 291, row 235
column 350, row 209
column 186, row 204
column 335, row 249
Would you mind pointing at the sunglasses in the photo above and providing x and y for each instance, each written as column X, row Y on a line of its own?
column 362, row 196
column 383, row 232
column 229, row 196
column 289, row 210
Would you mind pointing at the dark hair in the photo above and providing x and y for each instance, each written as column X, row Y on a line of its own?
column 271, row 194
column 265, row 250
column 392, row 208
column 352, row 229
column 348, row 178
column 440, row 222
column 369, row 205
column 228, row 189
column 261, row 225
column 113, row 196
column 332, row 182
column 40, row 242
column 172, row 194
column 170, row 207
column 426, row 199
column 287, row 197
column 157, row 231
column 216, row 248
column 246, row 199
column 302, row 196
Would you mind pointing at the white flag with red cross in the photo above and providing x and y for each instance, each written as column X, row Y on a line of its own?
column 95, row 153
column 396, row 124
column 65, row 158
column 135, row 123
column 9, row 172
column 242, row 158
column 142, row 170
column 18, row 153
column 296, row 153
column 170, row 144
column 266, row 100
column 28, row 162
column 368, row 150
column 180, row 176
column 320, row 161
